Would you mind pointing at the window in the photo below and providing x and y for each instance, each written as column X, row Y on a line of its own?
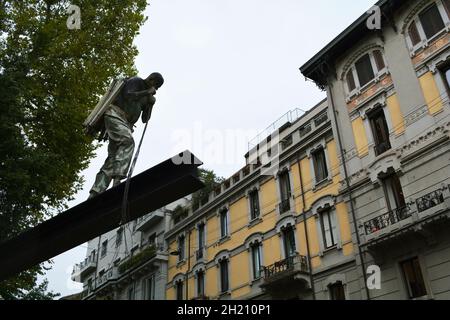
column 181, row 248
column 224, row 285
column 305, row 130
column 380, row 131
column 286, row 142
column 285, row 190
column 446, row 76
column 150, row 288
column 329, row 228
column 201, row 240
column 92, row 256
column 320, row 165
column 337, row 291
column 431, row 21
column 394, row 192
column 89, row 285
column 254, row 205
column 104, row 248
column 201, row 236
column 256, row 260
column 119, row 236
column 289, row 242
column 179, row 290
column 200, row 284
column 224, row 223
column 413, row 278
column 365, row 69
column 321, row 118
column 152, row 241
column 130, row 294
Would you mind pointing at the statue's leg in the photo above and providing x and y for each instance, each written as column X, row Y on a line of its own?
column 105, row 175
column 121, row 134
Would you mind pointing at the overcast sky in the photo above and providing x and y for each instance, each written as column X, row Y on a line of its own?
column 231, row 69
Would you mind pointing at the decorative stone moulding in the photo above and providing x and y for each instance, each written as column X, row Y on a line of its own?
column 428, row 137
column 383, row 165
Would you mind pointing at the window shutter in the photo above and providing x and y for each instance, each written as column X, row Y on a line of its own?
column 447, row 6
column 351, row 81
column 414, row 34
column 379, row 60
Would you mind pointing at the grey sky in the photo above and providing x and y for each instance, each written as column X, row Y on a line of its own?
column 231, row 67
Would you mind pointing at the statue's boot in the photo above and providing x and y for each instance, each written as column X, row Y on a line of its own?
column 117, row 181
column 92, row 194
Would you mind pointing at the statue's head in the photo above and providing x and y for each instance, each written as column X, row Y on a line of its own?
column 155, row 80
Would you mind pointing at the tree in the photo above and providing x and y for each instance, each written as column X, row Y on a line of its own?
column 50, row 78
column 211, row 181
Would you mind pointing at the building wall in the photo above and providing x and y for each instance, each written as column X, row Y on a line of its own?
column 415, row 103
column 134, row 240
column 267, row 227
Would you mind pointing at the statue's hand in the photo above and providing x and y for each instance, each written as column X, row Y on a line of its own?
column 151, row 101
column 152, row 91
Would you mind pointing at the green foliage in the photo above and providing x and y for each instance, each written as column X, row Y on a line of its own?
column 138, row 259
column 211, row 180
column 50, row 78
column 179, row 213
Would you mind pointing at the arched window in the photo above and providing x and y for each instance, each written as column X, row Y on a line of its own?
column 368, row 67
column 428, row 24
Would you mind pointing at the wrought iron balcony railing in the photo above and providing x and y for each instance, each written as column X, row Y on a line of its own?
column 388, row 219
column 285, row 205
column 292, row 263
column 430, row 200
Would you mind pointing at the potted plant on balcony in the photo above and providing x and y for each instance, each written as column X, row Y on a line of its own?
column 134, row 261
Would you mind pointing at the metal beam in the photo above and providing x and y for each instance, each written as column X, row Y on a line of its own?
column 150, row 190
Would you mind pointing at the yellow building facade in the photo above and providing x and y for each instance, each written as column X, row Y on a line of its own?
column 299, row 221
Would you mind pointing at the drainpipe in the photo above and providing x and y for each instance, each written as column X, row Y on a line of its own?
column 96, row 263
column 306, row 229
column 349, row 188
column 188, row 264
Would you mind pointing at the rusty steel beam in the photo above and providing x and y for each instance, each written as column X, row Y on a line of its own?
column 161, row 185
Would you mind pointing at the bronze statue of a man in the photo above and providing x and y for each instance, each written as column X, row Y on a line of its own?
column 135, row 97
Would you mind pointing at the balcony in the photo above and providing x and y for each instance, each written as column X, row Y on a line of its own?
column 287, row 273
column 146, row 259
column 386, row 220
column 430, row 200
column 100, row 285
column 83, row 268
column 285, row 206
column 108, row 275
column 412, row 218
column 150, row 220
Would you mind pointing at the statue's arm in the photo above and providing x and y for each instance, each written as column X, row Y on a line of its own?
column 140, row 94
column 147, row 109
column 134, row 90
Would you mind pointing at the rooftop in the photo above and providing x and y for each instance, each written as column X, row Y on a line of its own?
column 320, row 65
